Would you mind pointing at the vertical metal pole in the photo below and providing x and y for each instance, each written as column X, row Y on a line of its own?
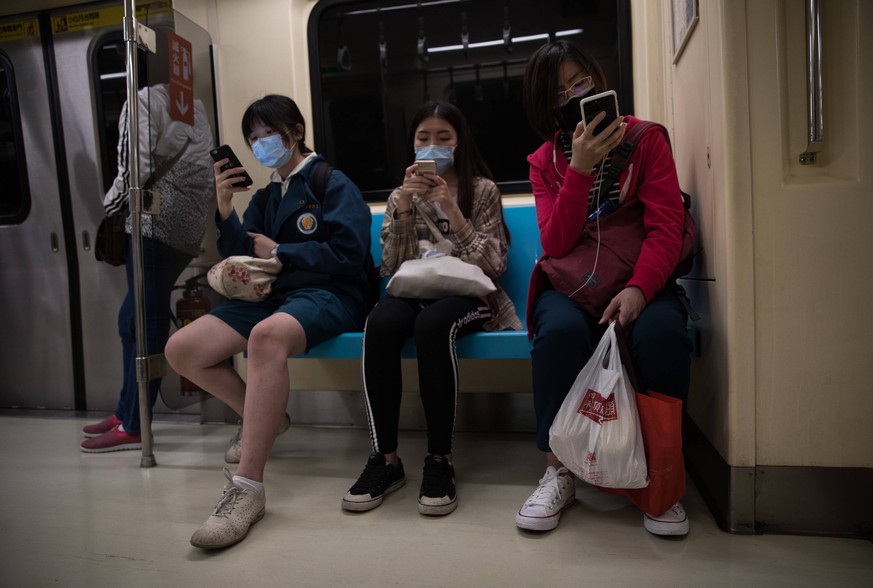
column 135, row 197
column 814, row 89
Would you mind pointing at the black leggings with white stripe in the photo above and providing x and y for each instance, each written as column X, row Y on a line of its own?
column 436, row 325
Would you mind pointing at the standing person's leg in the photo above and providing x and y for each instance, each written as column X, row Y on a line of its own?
column 162, row 266
column 437, row 328
column 388, row 327
column 662, row 354
column 124, row 324
column 126, row 333
column 562, row 344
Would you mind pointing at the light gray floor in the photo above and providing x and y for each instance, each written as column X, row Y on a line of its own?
column 73, row 519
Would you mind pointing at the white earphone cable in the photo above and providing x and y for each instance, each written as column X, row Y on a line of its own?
column 590, row 274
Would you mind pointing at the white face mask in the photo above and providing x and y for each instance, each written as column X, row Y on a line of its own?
column 271, row 151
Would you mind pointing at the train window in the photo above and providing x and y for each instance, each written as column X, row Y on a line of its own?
column 15, row 195
column 109, row 67
column 373, row 63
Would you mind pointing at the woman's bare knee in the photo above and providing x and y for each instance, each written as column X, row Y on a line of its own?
column 280, row 335
column 176, row 350
column 201, row 344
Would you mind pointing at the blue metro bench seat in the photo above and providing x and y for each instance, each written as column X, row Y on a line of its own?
column 523, row 254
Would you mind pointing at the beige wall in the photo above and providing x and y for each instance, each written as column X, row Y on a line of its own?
column 813, row 240
column 785, row 373
column 689, row 97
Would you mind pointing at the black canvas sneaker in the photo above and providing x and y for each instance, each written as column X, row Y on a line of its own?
column 437, row 496
column 378, row 479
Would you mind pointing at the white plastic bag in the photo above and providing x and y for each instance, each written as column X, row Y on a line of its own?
column 596, row 433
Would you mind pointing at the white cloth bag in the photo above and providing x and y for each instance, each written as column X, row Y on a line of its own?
column 438, row 273
column 596, row 433
column 438, row 276
column 243, row 277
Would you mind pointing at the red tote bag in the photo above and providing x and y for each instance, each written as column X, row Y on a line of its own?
column 661, row 423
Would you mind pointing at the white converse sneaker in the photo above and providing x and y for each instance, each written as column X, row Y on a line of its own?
column 542, row 511
column 238, row 509
column 672, row 522
column 234, row 450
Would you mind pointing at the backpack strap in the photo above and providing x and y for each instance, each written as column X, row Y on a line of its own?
column 621, row 155
column 318, row 178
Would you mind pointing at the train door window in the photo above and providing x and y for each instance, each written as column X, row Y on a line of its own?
column 374, row 62
column 109, row 71
column 15, row 195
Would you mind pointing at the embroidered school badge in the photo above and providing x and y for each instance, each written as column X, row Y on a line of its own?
column 307, row 223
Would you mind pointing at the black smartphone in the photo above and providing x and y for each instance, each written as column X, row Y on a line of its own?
column 225, row 152
column 604, row 102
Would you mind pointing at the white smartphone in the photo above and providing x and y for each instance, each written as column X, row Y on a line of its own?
column 593, row 105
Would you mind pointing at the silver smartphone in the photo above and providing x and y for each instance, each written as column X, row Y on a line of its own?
column 426, row 166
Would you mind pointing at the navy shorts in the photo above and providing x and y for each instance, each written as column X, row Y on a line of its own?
column 322, row 314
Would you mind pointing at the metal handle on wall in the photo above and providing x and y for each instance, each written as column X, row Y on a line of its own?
column 813, row 82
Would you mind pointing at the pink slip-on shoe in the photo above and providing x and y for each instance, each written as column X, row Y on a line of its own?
column 103, row 426
column 112, row 440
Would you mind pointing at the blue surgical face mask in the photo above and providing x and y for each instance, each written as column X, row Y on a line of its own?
column 444, row 155
column 271, row 151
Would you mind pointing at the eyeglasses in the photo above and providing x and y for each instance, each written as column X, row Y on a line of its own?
column 579, row 88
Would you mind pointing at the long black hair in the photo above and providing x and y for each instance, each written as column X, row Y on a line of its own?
column 469, row 162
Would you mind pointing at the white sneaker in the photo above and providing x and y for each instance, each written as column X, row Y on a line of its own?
column 672, row 522
column 542, row 511
column 234, row 450
column 235, row 513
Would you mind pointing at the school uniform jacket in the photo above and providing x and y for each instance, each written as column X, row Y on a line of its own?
column 322, row 244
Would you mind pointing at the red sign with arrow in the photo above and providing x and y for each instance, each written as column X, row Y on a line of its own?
column 181, row 79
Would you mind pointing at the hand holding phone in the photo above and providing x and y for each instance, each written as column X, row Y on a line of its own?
column 225, row 152
column 425, row 166
column 593, row 105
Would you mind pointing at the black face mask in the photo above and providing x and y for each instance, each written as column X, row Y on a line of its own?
column 569, row 115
